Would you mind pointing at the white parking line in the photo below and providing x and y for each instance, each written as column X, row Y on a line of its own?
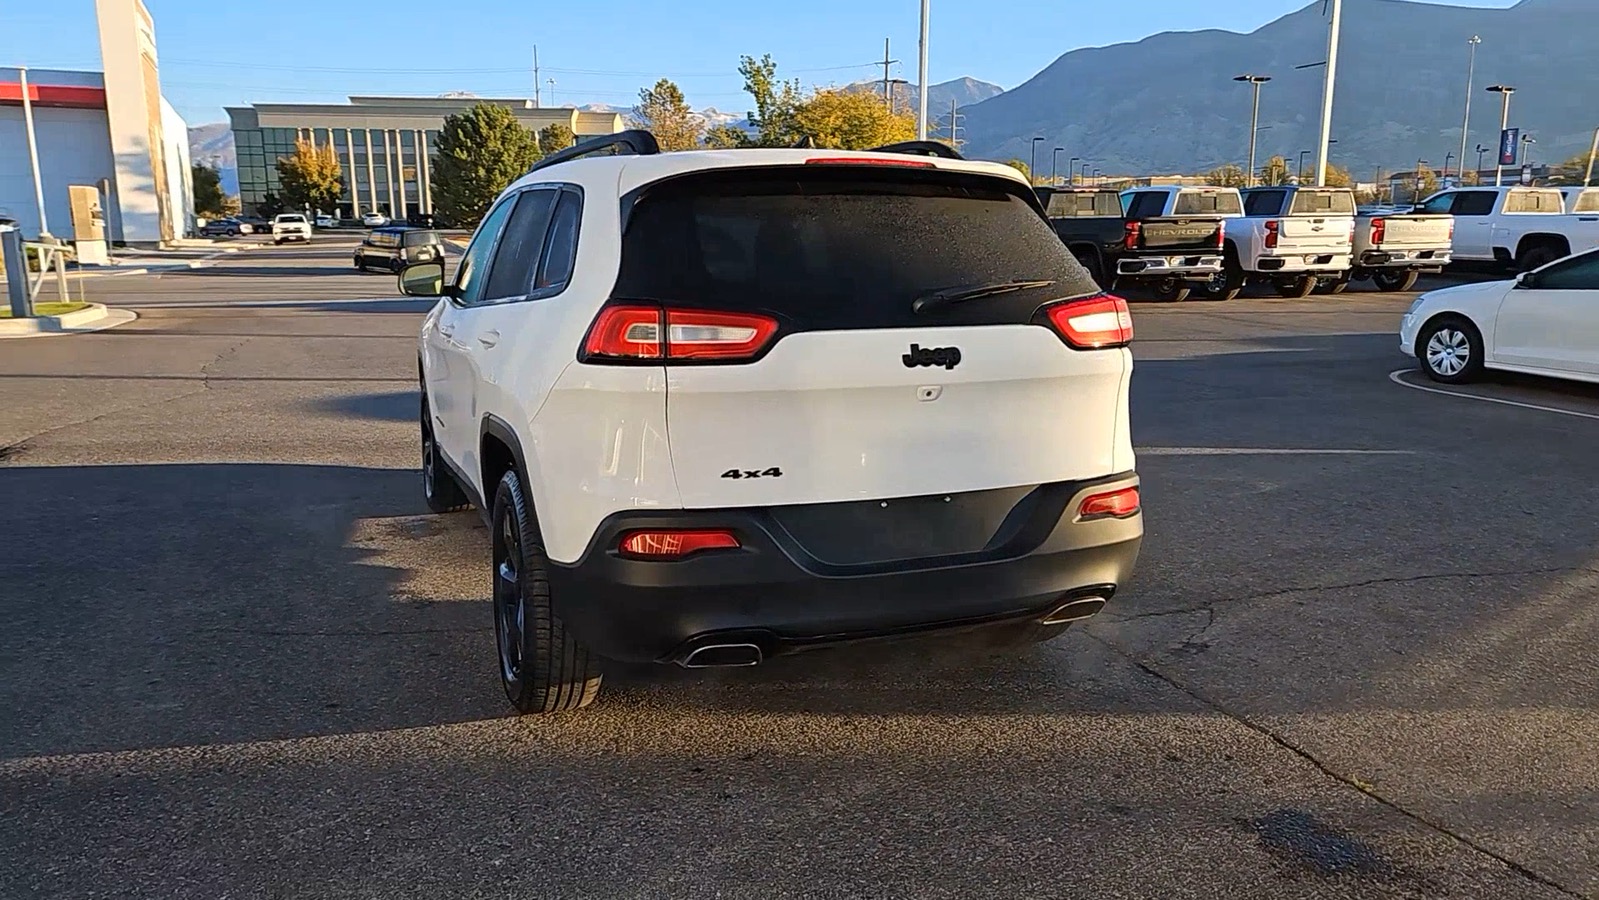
column 1263, row 451
column 1394, row 377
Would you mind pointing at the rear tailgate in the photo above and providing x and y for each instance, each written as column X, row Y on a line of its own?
column 1319, row 221
column 1176, row 235
column 1405, row 232
column 861, row 395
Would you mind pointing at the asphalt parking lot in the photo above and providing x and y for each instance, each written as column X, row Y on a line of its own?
column 239, row 659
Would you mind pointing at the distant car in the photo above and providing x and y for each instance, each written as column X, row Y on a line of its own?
column 290, row 227
column 1545, row 322
column 228, row 226
column 374, row 220
column 254, row 225
column 394, row 248
column 326, row 221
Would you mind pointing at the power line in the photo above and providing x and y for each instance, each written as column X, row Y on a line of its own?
column 607, row 73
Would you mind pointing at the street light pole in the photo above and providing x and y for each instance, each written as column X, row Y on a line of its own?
column 1032, row 167
column 1054, row 163
column 1071, row 170
column 1448, row 158
column 1465, row 127
column 1327, row 92
column 1096, row 176
column 1504, row 91
column 1085, row 171
column 1302, row 155
column 33, row 154
column 1254, row 121
column 921, row 78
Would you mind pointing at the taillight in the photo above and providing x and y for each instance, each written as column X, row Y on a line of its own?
column 664, row 544
column 869, row 161
column 1379, row 228
column 1093, row 323
column 1351, row 231
column 1221, row 234
column 1131, row 237
column 1110, row 505
column 636, row 333
column 1451, row 230
column 1272, row 228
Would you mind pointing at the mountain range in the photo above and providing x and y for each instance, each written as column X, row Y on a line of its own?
column 1168, row 103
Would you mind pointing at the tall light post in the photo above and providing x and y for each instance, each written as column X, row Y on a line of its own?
column 1096, row 176
column 1071, row 170
column 1254, row 121
column 1527, row 141
column 1504, row 91
column 1480, row 151
column 1032, row 167
column 921, row 79
column 1054, row 162
column 1471, row 72
column 1331, row 76
column 1449, row 157
column 1302, row 155
column 33, row 153
column 1085, row 171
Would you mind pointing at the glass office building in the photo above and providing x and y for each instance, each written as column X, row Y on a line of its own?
column 384, row 145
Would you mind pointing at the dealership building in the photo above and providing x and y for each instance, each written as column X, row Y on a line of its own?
column 110, row 131
column 384, row 144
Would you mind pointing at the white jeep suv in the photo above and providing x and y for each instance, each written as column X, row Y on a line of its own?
column 721, row 405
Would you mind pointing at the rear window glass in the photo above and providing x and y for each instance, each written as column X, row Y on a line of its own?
column 420, row 238
column 1587, row 201
column 1534, row 202
column 1072, row 204
column 1338, row 203
column 292, row 219
column 1263, row 203
column 828, row 247
column 1208, row 203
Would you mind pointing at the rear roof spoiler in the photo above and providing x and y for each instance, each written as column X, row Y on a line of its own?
column 634, row 141
column 920, row 148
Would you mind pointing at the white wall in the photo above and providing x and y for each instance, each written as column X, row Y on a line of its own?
column 175, row 132
column 74, row 148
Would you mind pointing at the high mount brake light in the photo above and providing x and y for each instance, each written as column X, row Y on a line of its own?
column 622, row 333
column 869, row 161
column 1093, row 323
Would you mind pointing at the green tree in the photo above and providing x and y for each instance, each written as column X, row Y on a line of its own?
column 480, row 152
column 269, row 206
column 208, row 197
column 1275, row 171
column 851, row 120
column 231, row 206
column 555, row 137
column 726, row 137
column 1020, row 166
column 1227, row 176
column 775, row 102
column 666, row 114
column 311, row 178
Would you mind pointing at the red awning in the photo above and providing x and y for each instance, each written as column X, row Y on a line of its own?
column 58, row 95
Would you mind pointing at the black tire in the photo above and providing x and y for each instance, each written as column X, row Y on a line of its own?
column 360, row 263
column 1537, row 258
column 1395, row 281
column 1172, row 290
column 395, row 266
column 439, row 487
column 232, row 232
column 1452, row 333
column 1333, row 285
column 542, row 667
column 1230, row 283
column 1295, row 288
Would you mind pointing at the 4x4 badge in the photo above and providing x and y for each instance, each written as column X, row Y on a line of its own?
column 948, row 357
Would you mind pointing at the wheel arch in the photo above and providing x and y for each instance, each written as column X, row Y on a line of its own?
column 1529, row 242
column 500, row 451
column 1454, row 315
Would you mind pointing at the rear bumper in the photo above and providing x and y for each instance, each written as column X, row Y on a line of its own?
column 1303, row 264
column 1189, row 266
column 775, row 594
column 1405, row 259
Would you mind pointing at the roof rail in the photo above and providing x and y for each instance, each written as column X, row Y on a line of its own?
column 635, row 141
column 920, row 148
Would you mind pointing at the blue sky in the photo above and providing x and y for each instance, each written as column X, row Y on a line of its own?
column 229, row 52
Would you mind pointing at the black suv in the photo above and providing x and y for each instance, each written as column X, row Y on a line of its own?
column 395, row 248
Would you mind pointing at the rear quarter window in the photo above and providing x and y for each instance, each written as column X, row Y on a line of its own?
column 1534, row 202
column 1587, row 202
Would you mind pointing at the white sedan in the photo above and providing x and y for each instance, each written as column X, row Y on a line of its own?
column 374, row 220
column 1546, row 322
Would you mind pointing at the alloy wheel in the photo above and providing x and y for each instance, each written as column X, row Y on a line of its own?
column 509, row 607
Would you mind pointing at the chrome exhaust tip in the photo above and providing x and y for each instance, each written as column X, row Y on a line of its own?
column 1081, row 608
column 712, row 656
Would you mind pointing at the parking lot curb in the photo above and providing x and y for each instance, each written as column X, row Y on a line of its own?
column 94, row 317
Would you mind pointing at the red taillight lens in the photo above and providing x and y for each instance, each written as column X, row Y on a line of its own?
column 1112, row 505
column 674, row 543
column 635, row 332
column 1094, row 323
column 1379, row 228
column 1451, row 229
column 1221, row 234
column 1272, row 228
column 1131, row 237
column 869, row 161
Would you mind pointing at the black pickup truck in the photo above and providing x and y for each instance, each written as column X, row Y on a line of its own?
column 1168, row 238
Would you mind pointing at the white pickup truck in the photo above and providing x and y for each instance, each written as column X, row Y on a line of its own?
column 1294, row 238
column 290, row 227
column 1517, row 228
column 1394, row 249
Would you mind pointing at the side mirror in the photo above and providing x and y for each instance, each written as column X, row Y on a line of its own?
column 423, row 280
column 1527, row 280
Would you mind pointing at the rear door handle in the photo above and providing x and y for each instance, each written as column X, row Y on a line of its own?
column 446, row 329
column 489, row 338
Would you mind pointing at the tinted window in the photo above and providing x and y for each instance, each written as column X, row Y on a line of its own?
column 420, row 238
column 1475, row 203
column 469, row 280
column 831, row 247
column 1146, row 205
column 1332, row 203
column 1208, row 203
column 1263, row 203
column 560, row 248
column 519, row 249
column 1535, row 202
column 1587, row 202
column 1439, row 203
column 1580, row 273
column 1071, row 204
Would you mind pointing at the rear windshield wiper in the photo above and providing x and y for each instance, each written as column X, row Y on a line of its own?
column 934, row 300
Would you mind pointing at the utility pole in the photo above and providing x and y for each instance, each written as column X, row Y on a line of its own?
column 1327, row 92
column 33, row 154
column 536, row 97
column 954, row 124
column 551, row 83
column 1504, row 91
column 1471, row 73
column 888, row 90
column 1588, row 178
column 921, row 78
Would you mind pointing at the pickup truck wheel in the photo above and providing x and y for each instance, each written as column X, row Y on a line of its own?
column 1296, row 287
column 1450, row 350
column 1172, row 290
column 1333, row 285
column 543, row 668
column 1402, row 280
column 439, row 487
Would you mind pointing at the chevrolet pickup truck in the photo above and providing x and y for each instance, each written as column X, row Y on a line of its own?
column 1090, row 223
column 1395, row 249
column 1293, row 238
column 1172, row 237
column 1514, row 228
